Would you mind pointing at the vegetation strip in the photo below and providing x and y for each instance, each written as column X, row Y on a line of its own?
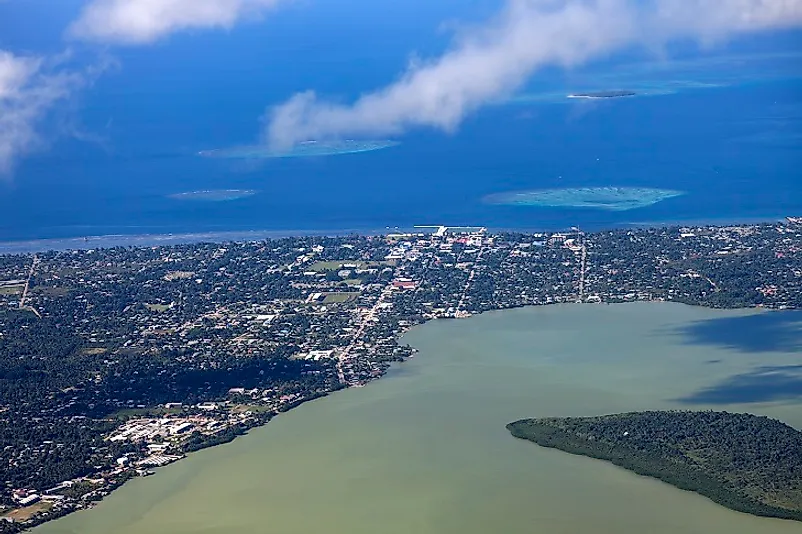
column 744, row 462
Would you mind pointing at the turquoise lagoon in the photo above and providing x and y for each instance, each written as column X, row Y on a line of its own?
column 604, row 198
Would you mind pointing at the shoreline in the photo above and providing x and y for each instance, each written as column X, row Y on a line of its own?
column 90, row 242
column 638, row 452
column 267, row 416
column 391, row 366
column 62, row 244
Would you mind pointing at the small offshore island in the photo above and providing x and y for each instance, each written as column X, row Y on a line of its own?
column 306, row 149
column 745, row 462
column 603, row 94
column 214, row 195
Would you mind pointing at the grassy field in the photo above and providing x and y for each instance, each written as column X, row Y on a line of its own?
column 322, row 266
column 94, row 351
column 12, row 290
column 23, row 514
column 160, row 308
column 52, row 291
column 335, row 298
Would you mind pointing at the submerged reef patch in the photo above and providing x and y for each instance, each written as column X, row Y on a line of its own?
column 306, row 149
column 604, row 198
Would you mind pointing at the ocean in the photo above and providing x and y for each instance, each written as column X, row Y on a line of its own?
column 722, row 126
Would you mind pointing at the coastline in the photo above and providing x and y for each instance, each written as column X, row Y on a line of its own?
column 269, row 416
column 246, row 236
column 89, row 242
column 61, row 244
column 637, row 453
column 391, row 369
column 725, row 221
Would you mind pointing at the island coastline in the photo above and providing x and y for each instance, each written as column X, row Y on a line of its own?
column 264, row 417
column 603, row 94
column 103, row 241
column 683, row 449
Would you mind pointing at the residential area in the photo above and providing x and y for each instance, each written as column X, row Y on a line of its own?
column 114, row 362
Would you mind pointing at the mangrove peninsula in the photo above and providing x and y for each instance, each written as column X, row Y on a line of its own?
column 747, row 463
column 117, row 361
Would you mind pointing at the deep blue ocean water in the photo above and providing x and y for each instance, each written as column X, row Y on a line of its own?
column 726, row 128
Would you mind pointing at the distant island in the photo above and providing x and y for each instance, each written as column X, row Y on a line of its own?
column 744, row 462
column 603, row 94
column 214, row 195
column 305, row 149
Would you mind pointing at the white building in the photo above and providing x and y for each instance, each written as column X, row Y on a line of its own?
column 33, row 498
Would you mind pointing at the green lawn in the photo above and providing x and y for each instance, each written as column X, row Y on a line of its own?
column 12, row 290
column 335, row 298
column 52, row 291
column 322, row 266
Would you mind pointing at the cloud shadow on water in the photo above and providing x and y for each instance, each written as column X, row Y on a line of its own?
column 763, row 332
column 763, row 384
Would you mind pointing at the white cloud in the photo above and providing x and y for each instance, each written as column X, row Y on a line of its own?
column 722, row 17
column 30, row 87
column 493, row 60
column 146, row 21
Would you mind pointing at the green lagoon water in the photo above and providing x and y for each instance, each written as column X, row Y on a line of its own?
column 424, row 450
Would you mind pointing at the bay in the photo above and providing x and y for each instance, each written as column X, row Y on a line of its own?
column 425, row 449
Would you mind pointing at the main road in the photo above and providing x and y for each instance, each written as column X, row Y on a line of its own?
column 342, row 358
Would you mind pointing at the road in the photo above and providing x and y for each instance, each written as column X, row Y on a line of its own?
column 27, row 287
column 471, row 276
column 342, row 358
column 582, row 272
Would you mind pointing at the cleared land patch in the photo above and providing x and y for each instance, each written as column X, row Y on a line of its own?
column 24, row 514
column 94, row 351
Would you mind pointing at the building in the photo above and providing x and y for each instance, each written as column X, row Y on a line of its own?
column 181, row 428
column 33, row 498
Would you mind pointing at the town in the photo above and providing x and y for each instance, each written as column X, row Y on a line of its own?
column 117, row 361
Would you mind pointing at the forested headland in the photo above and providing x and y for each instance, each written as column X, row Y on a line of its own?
column 748, row 463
